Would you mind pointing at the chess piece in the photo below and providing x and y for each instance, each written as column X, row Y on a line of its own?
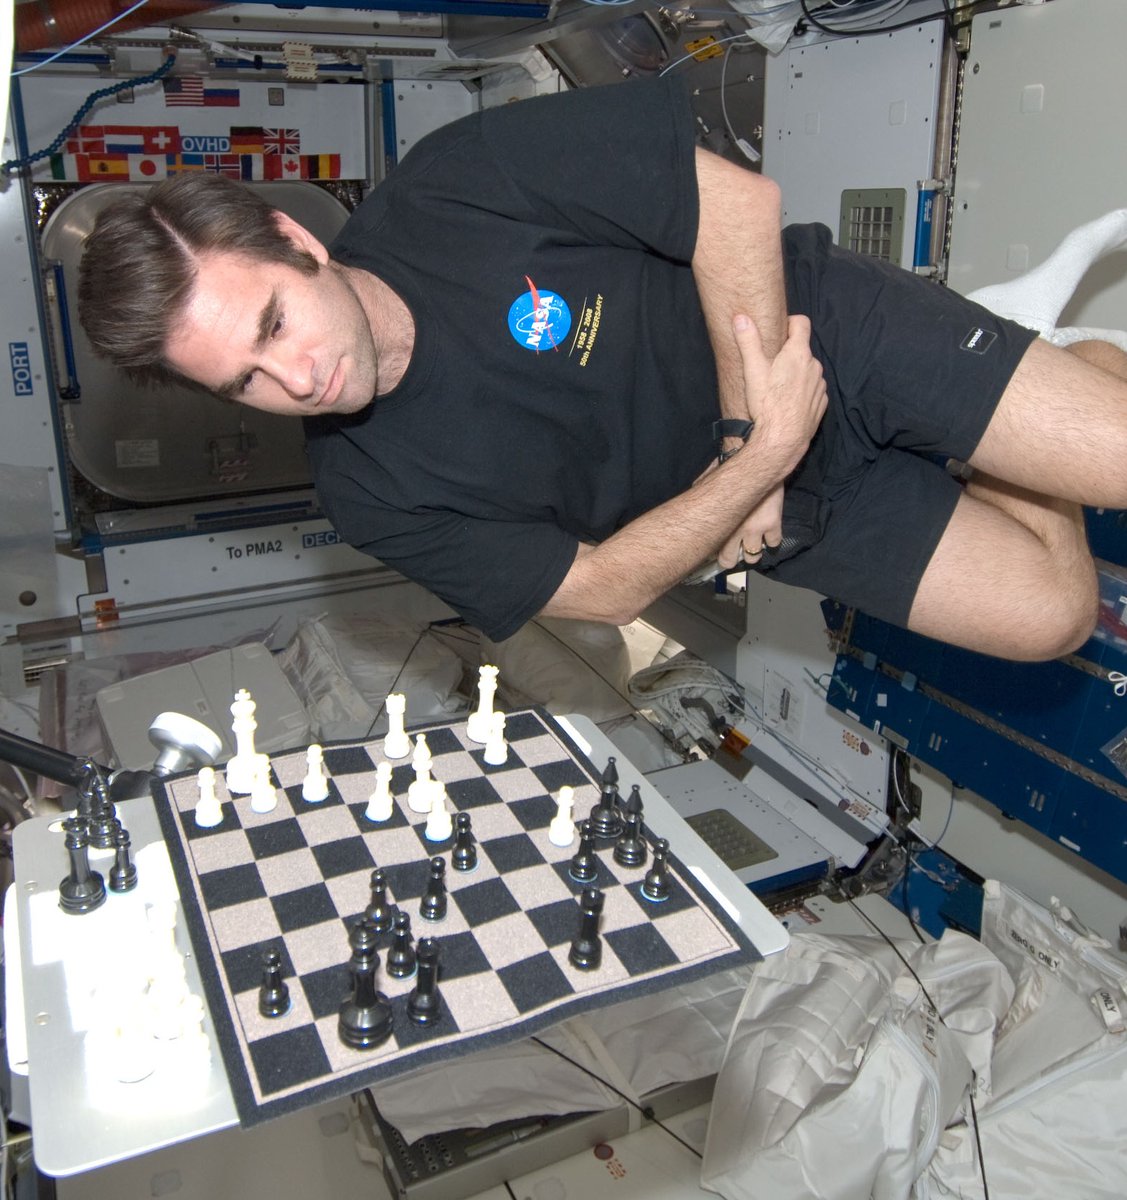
column 365, row 1016
column 314, row 787
column 463, row 857
column 274, row 994
column 606, row 820
column 123, row 873
column 380, row 802
column 241, row 768
column 380, row 912
column 432, row 907
column 102, row 827
column 584, row 866
column 440, row 824
column 633, row 802
column 421, row 787
column 630, row 850
column 83, row 890
column 496, row 748
column 561, row 831
column 396, row 743
column 263, row 795
column 586, row 951
column 401, row 958
column 481, row 721
column 655, row 886
column 424, row 1005
column 209, row 811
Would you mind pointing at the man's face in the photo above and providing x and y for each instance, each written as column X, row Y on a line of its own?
column 266, row 335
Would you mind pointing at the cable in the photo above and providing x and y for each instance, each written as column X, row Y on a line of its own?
column 81, row 41
column 398, row 675
column 18, row 164
column 837, row 31
column 692, row 54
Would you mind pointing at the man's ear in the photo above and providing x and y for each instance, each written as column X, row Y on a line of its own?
column 301, row 236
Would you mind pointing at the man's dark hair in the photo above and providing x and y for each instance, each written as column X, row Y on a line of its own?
column 140, row 262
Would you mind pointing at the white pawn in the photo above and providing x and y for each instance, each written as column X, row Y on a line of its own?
column 440, row 824
column 314, row 787
column 396, row 743
column 209, row 811
column 380, row 803
column 478, row 726
column 496, row 748
column 561, row 832
column 421, row 787
column 263, row 797
column 241, row 768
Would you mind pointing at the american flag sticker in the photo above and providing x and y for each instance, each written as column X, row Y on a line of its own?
column 189, row 91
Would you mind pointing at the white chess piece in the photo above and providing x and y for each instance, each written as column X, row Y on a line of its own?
column 496, row 748
column 380, row 802
column 440, row 824
column 421, row 787
column 396, row 743
column 478, row 726
column 561, row 832
column 209, row 810
column 263, row 797
column 314, row 787
column 241, row 768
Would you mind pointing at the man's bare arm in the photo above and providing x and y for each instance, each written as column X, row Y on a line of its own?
column 622, row 576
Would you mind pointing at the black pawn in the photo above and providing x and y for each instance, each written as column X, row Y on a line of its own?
column 424, row 1005
column 464, row 855
column 584, row 866
column 655, row 886
column 123, row 873
column 586, row 951
column 432, row 907
column 401, row 958
column 365, row 1015
column 83, row 889
column 630, row 849
column 606, row 822
column 274, row 994
column 379, row 911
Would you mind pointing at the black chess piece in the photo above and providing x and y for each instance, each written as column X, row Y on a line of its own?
column 379, row 911
column 655, row 886
column 633, row 802
column 464, row 855
column 365, row 1016
column 630, row 850
column 83, row 890
column 586, row 951
column 401, row 958
column 584, row 865
column 432, row 907
column 274, row 993
column 424, row 1005
column 103, row 827
column 606, row 821
column 123, row 873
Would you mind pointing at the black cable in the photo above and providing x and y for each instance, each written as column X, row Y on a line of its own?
column 874, row 30
column 648, row 1113
column 509, row 1189
column 399, row 674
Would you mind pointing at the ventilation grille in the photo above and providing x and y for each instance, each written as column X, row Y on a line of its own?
column 872, row 223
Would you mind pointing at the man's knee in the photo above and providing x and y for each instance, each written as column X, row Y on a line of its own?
column 1067, row 619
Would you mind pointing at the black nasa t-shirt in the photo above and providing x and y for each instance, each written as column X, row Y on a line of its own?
column 561, row 382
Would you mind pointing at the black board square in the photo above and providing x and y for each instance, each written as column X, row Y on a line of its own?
column 641, row 948
column 343, row 856
column 346, row 760
column 286, row 1059
column 408, row 1034
column 522, row 725
column 554, row 775
column 534, row 981
column 243, row 966
column 512, row 853
column 603, row 879
column 442, row 741
column 396, row 821
column 192, row 831
column 305, row 906
column 231, row 885
column 534, row 812
column 677, row 901
column 407, row 881
column 275, row 837
column 326, row 989
column 485, row 901
column 458, row 954
column 300, row 805
column 471, row 793
column 556, row 923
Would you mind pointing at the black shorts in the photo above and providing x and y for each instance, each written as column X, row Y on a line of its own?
column 914, row 372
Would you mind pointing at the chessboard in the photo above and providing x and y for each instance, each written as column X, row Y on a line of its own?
column 297, row 879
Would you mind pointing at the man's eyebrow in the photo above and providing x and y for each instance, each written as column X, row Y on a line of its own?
column 267, row 319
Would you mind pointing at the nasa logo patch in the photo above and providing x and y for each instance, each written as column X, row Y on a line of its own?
column 539, row 319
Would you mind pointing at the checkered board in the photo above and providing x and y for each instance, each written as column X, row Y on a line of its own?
column 296, row 879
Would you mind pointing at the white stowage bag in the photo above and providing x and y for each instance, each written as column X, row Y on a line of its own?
column 839, row 1079
column 1055, row 1123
